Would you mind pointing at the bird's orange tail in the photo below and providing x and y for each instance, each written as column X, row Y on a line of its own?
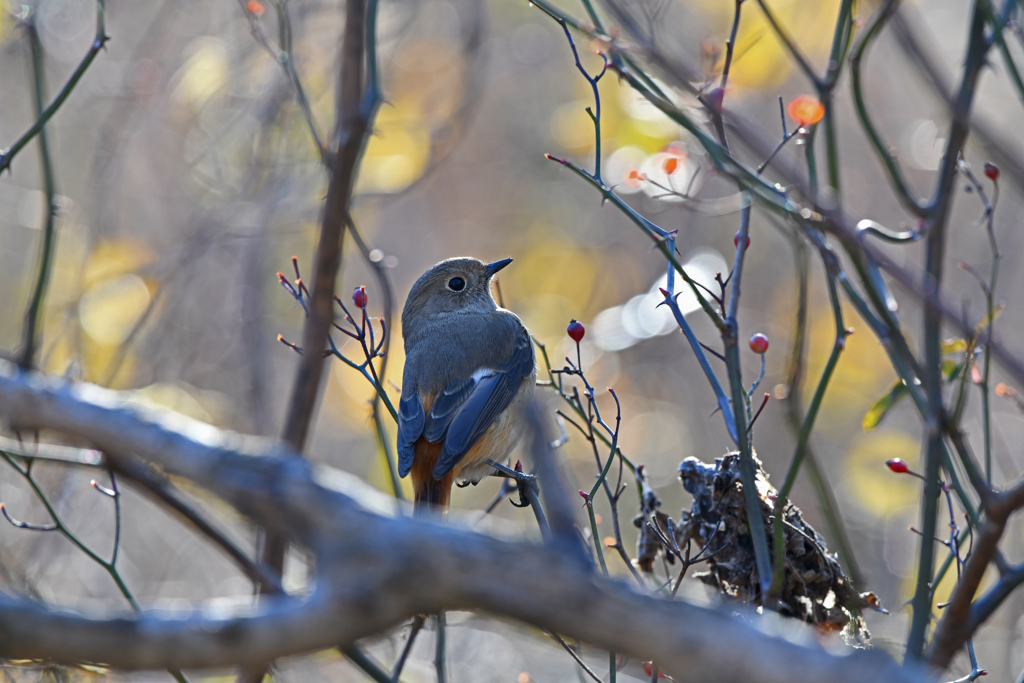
column 429, row 493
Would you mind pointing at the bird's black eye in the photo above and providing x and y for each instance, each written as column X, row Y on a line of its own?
column 456, row 284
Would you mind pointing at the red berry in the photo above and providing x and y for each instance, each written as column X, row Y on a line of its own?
column 759, row 343
column 736, row 241
column 992, row 171
column 359, row 297
column 649, row 668
column 576, row 331
column 897, row 466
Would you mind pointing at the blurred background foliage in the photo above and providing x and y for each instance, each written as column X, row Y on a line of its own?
column 187, row 176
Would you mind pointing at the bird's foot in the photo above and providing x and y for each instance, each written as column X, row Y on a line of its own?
column 525, row 483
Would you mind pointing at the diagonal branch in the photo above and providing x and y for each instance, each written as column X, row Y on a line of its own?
column 381, row 571
column 962, row 617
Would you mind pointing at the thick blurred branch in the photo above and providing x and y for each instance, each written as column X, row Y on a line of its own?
column 381, row 571
column 353, row 127
column 163, row 492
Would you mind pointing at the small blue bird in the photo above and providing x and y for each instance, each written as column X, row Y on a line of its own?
column 469, row 371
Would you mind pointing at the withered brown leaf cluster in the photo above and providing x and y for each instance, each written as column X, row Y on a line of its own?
column 814, row 590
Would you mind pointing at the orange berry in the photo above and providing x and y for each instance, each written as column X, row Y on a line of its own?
column 634, row 177
column 805, row 110
column 670, row 165
column 254, row 7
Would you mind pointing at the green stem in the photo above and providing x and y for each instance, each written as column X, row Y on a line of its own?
column 935, row 246
column 35, row 305
column 592, row 13
column 790, row 46
column 658, row 234
column 287, row 62
column 371, row 377
column 68, row 534
column 887, row 330
column 596, row 535
column 383, row 441
column 43, row 117
column 986, row 373
column 840, row 44
column 614, row 447
column 997, row 34
column 947, row 563
column 109, row 567
column 367, row 665
column 812, row 162
column 833, row 518
column 831, row 148
column 892, row 167
column 748, row 468
column 723, row 400
column 805, row 431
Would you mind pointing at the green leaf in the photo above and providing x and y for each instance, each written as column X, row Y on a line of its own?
column 879, row 408
column 954, row 345
column 951, row 369
column 986, row 321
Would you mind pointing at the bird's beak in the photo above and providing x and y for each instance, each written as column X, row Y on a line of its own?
column 493, row 268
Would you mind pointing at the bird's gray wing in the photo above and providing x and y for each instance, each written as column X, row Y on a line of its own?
column 465, row 409
column 410, row 427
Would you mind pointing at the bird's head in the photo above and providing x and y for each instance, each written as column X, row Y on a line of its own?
column 456, row 285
